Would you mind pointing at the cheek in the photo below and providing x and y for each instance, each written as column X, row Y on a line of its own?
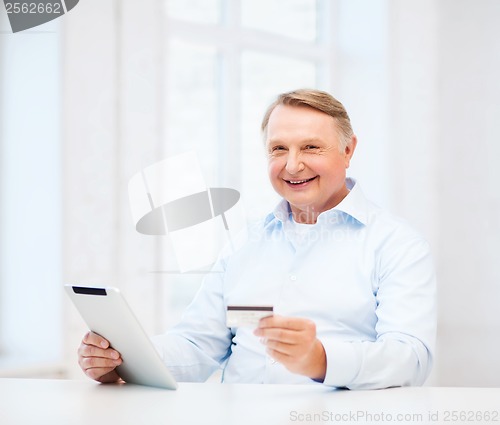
column 330, row 165
column 274, row 167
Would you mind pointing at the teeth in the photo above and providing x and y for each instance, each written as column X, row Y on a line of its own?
column 299, row 182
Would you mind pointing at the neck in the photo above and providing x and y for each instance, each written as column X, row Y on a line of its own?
column 305, row 217
column 309, row 214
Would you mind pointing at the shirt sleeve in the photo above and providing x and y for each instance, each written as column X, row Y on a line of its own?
column 199, row 344
column 402, row 353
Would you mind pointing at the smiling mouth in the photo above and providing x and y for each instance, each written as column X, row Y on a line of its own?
column 300, row 182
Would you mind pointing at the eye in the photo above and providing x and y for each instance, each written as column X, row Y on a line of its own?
column 312, row 147
column 276, row 149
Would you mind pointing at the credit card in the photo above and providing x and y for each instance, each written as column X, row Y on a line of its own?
column 246, row 315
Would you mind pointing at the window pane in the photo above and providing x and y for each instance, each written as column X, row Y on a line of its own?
column 191, row 124
column 263, row 77
column 291, row 18
column 203, row 11
column 192, row 105
column 30, row 197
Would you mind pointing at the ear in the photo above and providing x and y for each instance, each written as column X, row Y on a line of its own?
column 349, row 150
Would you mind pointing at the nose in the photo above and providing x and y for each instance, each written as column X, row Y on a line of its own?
column 294, row 163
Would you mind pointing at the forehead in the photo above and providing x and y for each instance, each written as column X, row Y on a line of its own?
column 299, row 121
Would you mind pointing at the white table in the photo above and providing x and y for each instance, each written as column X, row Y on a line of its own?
column 60, row 402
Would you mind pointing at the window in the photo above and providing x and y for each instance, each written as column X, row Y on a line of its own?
column 226, row 60
column 30, row 199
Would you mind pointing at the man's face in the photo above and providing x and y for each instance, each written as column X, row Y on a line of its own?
column 306, row 166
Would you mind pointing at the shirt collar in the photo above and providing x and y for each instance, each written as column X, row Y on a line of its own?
column 354, row 204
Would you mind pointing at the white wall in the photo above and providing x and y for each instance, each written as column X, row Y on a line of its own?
column 424, row 101
column 444, row 144
column 468, row 149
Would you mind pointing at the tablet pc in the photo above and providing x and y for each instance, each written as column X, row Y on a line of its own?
column 106, row 313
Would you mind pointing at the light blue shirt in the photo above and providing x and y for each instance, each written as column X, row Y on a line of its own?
column 363, row 276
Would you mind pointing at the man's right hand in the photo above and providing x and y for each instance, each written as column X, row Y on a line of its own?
column 97, row 359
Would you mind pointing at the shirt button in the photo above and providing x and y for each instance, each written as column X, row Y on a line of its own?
column 293, row 277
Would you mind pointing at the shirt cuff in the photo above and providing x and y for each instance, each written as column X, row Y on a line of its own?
column 342, row 363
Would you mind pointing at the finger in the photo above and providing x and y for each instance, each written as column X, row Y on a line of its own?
column 292, row 327
column 86, row 350
column 104, row 374
column 91, row 338
column 281, row 348
column 278, row 334
column 87, row 363
column 276, row 321
column 280, row 357
column 110, row 377
column 294, row 350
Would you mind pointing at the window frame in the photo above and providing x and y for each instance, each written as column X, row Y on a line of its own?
column 230, row 39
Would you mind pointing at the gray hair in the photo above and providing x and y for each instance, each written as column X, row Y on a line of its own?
column 319, row 100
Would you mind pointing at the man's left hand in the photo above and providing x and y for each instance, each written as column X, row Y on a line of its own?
column 292, row 342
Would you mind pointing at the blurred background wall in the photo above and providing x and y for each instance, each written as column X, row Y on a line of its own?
column 92, row 98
